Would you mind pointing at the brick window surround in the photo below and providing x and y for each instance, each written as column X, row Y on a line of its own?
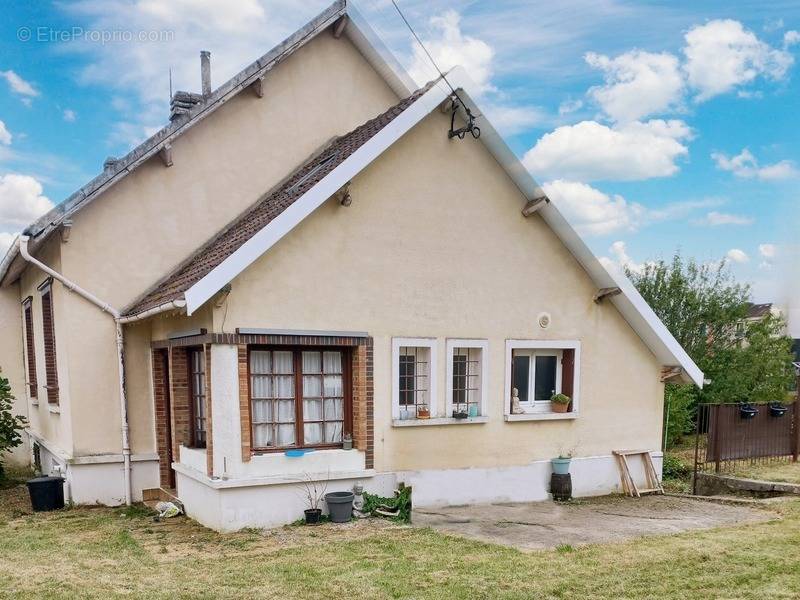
column 361, row 357
column 163, row 417
column 362, row 384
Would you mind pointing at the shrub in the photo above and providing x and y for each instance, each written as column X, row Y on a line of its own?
column 11, row 426
column 680, row 404
column 675, row 468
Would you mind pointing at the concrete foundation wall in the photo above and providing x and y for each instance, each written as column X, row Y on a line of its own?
column 232, row 505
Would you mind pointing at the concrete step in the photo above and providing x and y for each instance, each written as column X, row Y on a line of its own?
column 153, row 496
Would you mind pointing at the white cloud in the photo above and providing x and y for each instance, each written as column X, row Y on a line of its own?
column 722, row 55
column 569, row 106
column 18, row 84
column 69, row 115
column 715, row 219
column 21, row 201
column 737, row 256
column 790, row 38
column 590, row 151
column 5, row 135
column 768, row 250
column 5, row 242
column 453, row 48
column 591, row 211
column 637, row 84
column 510, row 120
column 749, row 94
column 621, row 260
column 746, row 165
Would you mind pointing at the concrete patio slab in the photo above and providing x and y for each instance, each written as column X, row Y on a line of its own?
column 539, row 525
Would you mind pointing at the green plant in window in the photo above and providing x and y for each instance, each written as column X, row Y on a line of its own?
column 560, row 399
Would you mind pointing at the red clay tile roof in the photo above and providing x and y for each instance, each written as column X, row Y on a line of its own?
column 756, row 311
column 269, row 207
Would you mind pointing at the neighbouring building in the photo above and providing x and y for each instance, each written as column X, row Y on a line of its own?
column 305, row 257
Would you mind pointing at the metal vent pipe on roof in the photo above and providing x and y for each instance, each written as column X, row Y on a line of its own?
column 205, row 72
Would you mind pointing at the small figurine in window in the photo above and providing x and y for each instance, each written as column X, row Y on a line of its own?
column 516, row 409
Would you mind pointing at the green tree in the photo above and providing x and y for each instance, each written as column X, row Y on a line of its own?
column 757, row 369
column 10, row 425
column 704, row 308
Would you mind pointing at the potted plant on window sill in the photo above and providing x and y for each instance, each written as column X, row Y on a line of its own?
column 423, row 412
column 560, row 403
column 460, row 414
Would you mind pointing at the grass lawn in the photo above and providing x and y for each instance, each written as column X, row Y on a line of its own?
column 786, row 472
column 105, row 553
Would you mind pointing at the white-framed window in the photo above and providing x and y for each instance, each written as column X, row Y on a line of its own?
column 413, row 378
column 539, row 369
column 467, row 377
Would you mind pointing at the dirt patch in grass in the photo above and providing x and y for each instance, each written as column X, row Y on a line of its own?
column 108, row 553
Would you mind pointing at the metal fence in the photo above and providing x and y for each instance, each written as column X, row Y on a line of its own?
column 732, row 436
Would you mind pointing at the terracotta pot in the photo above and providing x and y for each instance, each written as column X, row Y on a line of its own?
column 559, row 408
column 423, row 414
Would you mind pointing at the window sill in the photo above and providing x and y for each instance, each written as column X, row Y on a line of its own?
column 438, row 421
column 542, row 416
column 54, row 408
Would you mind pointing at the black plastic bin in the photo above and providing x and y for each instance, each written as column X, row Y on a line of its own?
column 47, row 493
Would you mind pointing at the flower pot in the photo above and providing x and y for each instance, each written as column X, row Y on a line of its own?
column 312, row 515
column 459, row 414
column 423, row 413
column 347, row 444
column 340, row 506
column 559, row 408
column 776, row 409
column 560, row 465
column 747, row 410
column 473, row 410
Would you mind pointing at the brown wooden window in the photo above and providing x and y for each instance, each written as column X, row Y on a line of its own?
column 197, row 396
column 49, row 339
column 30, row 347
column 299, row 397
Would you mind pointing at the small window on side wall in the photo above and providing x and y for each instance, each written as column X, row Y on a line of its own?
column 30, row 348
column 413, row 378
column 542, row 376
column 49, row 339
column 467, row 377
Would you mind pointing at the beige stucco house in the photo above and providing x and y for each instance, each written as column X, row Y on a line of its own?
column 303, row 256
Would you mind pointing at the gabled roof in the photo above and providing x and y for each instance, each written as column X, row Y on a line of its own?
column 385, row 132
column 356, row 29
column 266, row 210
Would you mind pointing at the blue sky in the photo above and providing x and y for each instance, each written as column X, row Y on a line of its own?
column 655, row 127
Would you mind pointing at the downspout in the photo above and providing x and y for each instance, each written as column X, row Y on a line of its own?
column 119, row 320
